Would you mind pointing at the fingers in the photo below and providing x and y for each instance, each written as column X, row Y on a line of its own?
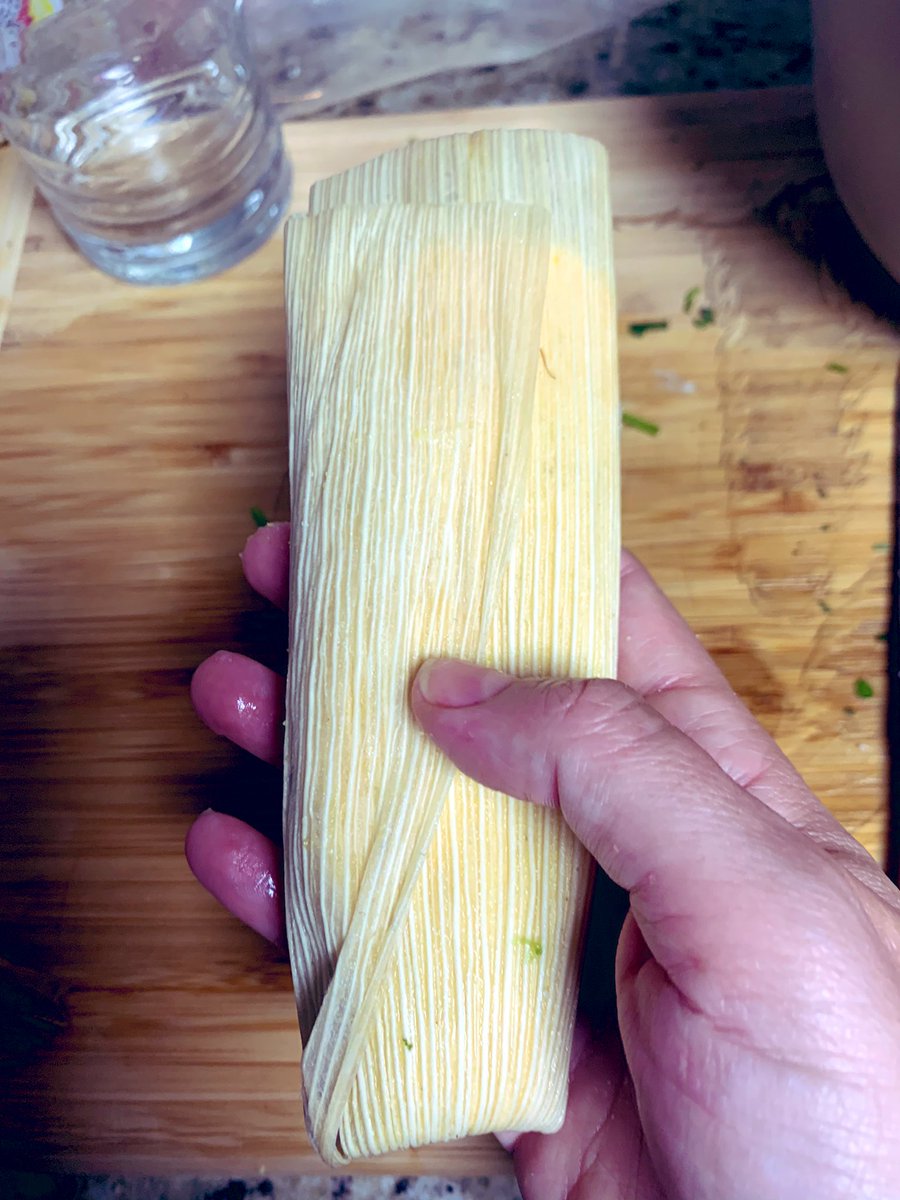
column 266, row 559
column 241, row 699
column 662, row 660
column 241, row 868
column 244, row 701
column 661, row 818
column 234, row 695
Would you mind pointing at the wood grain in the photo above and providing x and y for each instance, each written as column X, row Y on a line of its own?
column 136, row 430
column 16, row 192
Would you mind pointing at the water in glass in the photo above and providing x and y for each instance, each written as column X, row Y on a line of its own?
column 150, row 134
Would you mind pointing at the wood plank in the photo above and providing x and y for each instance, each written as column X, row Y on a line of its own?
column 16, row 193
column 136, row 430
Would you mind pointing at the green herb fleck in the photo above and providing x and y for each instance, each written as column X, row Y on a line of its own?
column 259, row 517
column 533, row 948
column 881, row 546
column 863, row 689
column 689, row 297
column 407, row 1044
column 704, row 317
column 639, row 328
column 837, row 368
column 640, row 424
column 825, row 606
column 881, row 637
column 849, row 710
column 824, row 528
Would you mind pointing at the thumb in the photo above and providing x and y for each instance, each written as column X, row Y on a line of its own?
column 657, row 813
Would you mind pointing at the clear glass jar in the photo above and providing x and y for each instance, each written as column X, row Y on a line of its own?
column 150, row 134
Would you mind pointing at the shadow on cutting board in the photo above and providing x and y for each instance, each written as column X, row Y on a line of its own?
column 811, row 218
column 34, row 1015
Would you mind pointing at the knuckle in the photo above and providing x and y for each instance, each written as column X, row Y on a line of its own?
column 593, row 706
column 608, row 712
column 563, row 697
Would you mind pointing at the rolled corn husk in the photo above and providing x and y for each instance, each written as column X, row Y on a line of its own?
column 454, row 467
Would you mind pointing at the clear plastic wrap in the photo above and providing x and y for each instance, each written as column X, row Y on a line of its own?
column 319, row 53
column 316, row 54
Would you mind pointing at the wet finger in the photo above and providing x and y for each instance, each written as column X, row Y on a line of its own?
column 242, row 700
column 266, row 558
column 241, row 868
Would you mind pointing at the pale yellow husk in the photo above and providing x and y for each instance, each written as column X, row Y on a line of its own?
column 455, row 474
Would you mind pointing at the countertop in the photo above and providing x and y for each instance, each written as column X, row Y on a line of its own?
column 685, row 46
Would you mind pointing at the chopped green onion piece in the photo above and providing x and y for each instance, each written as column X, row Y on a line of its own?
column 881, row 637
column 863, row 689
column 639, row 328
column 259, row 517
column 406, row 1043
column 704, row 317
column 640, row 424
column 689, row 297
column 881, row 546
column 533, row 947
column 825, row 606
column 837, row 368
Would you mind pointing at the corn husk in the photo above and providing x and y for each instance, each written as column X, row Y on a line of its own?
column 454, row 468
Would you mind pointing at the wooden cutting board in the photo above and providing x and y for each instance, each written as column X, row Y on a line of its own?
column 136, row 430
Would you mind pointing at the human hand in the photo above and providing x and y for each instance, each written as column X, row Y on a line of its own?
column 757, row 1048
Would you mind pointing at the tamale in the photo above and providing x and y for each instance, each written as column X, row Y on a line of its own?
column 454, row 468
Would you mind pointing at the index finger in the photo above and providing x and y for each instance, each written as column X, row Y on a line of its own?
column 662, row 660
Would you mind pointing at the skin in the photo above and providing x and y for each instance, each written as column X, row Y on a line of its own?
column 756, row 1049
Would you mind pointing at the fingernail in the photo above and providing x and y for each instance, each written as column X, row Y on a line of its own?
column 449, row 683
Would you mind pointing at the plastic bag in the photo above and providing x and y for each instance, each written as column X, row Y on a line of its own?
column 16, row 15
column 317, row 53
